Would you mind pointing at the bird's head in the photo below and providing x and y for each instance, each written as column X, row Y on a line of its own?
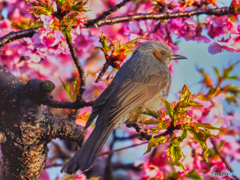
column 161, row 51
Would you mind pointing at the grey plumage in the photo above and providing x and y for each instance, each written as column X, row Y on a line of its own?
column 141, row 80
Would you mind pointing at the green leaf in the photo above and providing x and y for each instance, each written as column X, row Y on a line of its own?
column 151, row 112
column 233, row 78
column 103, row 41
column 179, row 164
column 76, row 88
column 167, row 105
column 201, row 136
column 175, row 153
column 67, row 89
column 74, row 84
column 185, row 93
column 221, row 145
column 154, row 142
column 227, row 71
column 207, row 126
column 238, row 9
column 183, row 136
column 128, row 51
column 150, row 121
column 217, row 72
column 147, row 112
column 194, row 175
column 194, row 103
column 132, row 43
column 138, row 111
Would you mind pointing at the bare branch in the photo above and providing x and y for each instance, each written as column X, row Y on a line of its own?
column 104, row 69
column 40, row 92
column 136, row 17
column 79, row 67
column 105, row 14
column 108, row 169
column 126, row 138
column 126, row 166
column 68, row 105
column 222, row 158
column 111, row 152
column 17, row 35
column 53, row 165
column 158, row 16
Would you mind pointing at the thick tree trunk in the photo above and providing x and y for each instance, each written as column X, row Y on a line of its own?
column 26, row 127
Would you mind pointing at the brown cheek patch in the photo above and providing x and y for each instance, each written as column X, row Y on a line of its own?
column 157, row 55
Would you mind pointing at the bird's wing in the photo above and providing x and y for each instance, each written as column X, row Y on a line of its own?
column 134, row 91
column 97, row 106
column 101, row 100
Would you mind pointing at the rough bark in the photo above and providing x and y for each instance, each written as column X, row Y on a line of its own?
column 26, row 127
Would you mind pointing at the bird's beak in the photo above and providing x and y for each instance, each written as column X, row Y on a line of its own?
column 174, row 57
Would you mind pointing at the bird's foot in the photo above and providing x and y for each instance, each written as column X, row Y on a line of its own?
column 142, row 134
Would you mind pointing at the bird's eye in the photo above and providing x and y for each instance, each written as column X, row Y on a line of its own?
column 162, row 52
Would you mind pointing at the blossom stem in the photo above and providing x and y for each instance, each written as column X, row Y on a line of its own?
column 105, row 14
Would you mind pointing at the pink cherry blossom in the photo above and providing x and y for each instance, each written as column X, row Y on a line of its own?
column 218, row 26
column 47, row 20
column 94, row 90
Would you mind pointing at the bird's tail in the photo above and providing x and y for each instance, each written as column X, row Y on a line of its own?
column 85, row 157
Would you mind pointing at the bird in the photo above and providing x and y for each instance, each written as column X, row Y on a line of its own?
column 140, row 81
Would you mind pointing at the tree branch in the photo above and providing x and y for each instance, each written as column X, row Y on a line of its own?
column 110, row 21
column 222, row 158
column 17, row 35
column 79, row 67
column 126, row 166
column 113, row 151
column 105, row 14
column 158, row 16
column 104, row 69
column 49, row 101
column 143, row 135
column 40, row 92
column 27, row 127
column 108, row 169
column 66, row 129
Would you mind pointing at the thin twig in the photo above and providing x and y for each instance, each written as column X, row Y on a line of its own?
column 143, row 135
column 107, row 13
column 111, row 152
column 104, row 69
column 53, row 165
column 108, row 169
column 126, row 138
column 78, row 65
column 222, row 158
